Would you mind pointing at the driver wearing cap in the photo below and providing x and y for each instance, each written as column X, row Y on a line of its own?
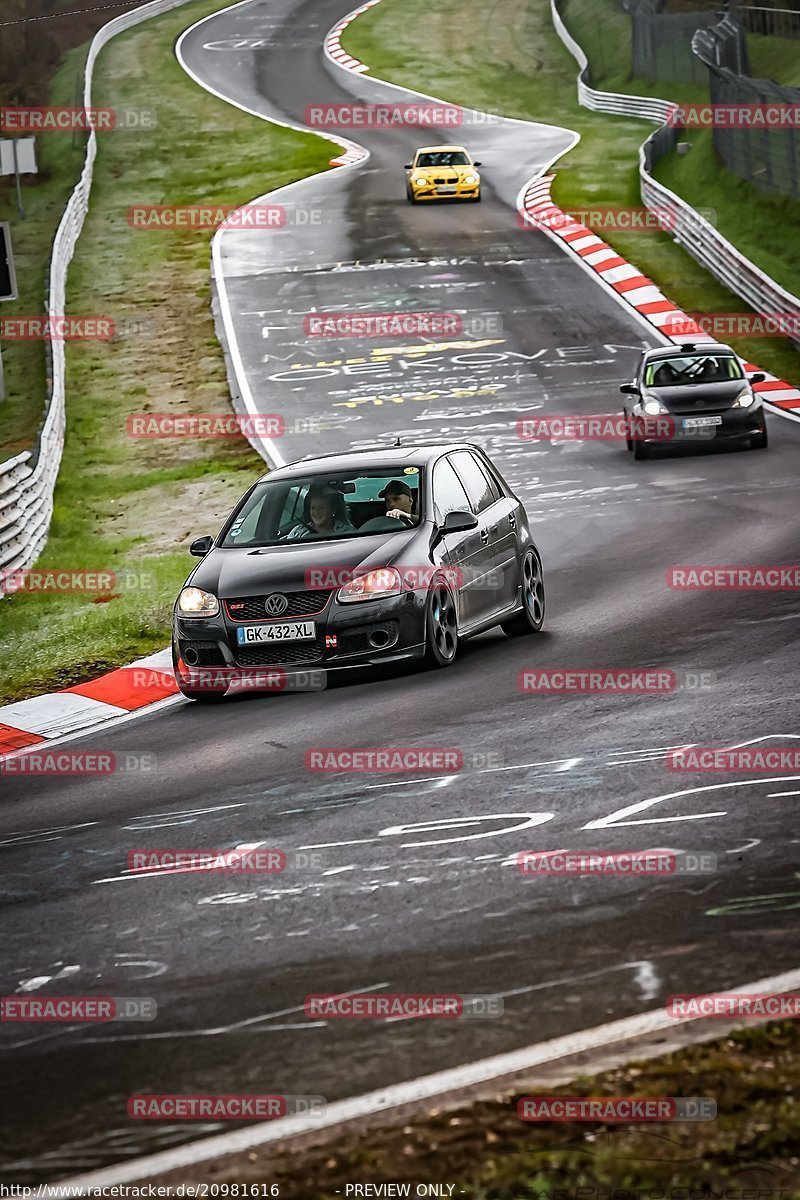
column 399, row 499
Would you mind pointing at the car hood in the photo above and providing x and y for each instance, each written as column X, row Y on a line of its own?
column 700, row 395
column 468, row 169
column 241, row 572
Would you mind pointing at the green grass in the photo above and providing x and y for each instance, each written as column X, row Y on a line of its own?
column 506, row 57
column 748, row 1151
column 134, row 504
column 774, row 58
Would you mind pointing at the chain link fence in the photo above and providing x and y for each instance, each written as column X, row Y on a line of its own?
column 769, row 157
column 661, row 42
column 768, row 22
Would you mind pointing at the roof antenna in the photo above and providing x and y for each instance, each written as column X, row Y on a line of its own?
column 397, row 441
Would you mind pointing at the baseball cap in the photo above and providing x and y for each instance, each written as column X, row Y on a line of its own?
column 397, row 488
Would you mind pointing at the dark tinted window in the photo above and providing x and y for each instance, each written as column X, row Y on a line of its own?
column 481, row 490
column 448, row 493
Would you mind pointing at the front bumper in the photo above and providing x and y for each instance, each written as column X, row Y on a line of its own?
column 365, row 633
column 737, row 424
column 463, row 192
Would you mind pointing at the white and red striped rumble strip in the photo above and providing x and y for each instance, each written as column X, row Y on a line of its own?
column 633, row 287
column 333, row 45
column 30, row 722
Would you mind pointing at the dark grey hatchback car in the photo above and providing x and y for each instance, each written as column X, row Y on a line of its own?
column 358, row 559
column 690, row 395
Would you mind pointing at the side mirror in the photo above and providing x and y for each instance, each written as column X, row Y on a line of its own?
column 477, row 163
column 759, row 377
column 409, row 166
column 629, row 389
column 201, row 546
column 459, row 522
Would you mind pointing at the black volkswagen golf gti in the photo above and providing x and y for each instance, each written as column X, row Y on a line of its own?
column 358, row 559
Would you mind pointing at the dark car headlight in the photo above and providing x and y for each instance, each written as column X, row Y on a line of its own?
column 745, row 399
column 372, row 585
column 652, row 405
column 194, row 602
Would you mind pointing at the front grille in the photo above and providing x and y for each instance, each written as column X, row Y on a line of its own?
column 301, row 604
column 295, row 655
column 208, row 653
column 441, row 179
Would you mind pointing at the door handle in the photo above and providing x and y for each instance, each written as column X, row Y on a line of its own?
column 485, row 536
column 512, row 520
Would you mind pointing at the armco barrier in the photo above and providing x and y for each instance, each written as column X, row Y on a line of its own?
column 695, row 234
column 28, row 480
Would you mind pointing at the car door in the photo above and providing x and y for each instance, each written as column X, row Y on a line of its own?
column 465, row 551
column 484, row 499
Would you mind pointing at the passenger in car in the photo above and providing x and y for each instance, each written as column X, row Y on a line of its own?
column 325, row 515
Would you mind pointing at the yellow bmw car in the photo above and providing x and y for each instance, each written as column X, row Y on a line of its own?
column 442, row 173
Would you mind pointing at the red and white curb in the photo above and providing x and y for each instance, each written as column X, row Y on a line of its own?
column 28, row 723
column 631, row 286
column 333, row 45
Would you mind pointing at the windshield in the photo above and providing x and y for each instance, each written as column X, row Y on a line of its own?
column 444, row 158
column 691, row 368
column 326, row 505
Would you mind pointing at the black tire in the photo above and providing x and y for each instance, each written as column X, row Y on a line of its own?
column 759, row 441
column 441, row 626
column 412, row 199
column 531, row 619
column 641, row 450
column 628, row 439
column 476, row 199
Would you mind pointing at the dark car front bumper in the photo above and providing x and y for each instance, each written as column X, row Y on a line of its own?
column 363, row 633
column 736, row 424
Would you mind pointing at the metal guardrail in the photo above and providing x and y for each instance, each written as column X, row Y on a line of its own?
column 693, row 231
column 28, row 480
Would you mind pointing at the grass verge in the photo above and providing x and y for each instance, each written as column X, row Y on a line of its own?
column 485, row 1152
column 126, row 505
column 506, row 57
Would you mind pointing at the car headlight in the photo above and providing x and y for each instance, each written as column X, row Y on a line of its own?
column 470, row 179
column 373, row 585
column 194, row 602
column 653, row 406
column 421, row 181
column 745, row 399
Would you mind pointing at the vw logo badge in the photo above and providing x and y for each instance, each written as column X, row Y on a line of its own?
column 276, row 604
